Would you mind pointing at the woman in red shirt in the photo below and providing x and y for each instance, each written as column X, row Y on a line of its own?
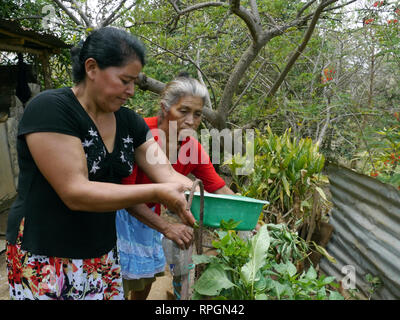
column 139, row 230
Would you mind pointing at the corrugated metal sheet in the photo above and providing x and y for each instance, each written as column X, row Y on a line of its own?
column 366, row 219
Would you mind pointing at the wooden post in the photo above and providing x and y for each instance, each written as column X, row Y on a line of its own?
column 44, row 57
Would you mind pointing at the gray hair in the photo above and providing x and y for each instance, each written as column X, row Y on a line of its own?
column 181, row 87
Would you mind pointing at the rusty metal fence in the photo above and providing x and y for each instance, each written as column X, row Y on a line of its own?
column 366, row 237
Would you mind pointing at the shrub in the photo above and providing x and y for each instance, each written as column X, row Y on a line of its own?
column 252, row 269
column 287, row 172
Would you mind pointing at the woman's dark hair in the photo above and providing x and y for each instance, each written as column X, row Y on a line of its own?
column 110, row 47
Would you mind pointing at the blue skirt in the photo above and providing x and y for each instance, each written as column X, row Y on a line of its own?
column 140, row 248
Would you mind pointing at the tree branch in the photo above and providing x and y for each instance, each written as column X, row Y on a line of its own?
column 254, row 10
column 81, row 14
column 200, row 75
column 119, row 15
column 307, row 5
column 146, row 83
column 69, row 13
column 301, row 48
column 324, row 128
column 195, row 7
column 184, row 57
column 249, row 19
column 247, row 87
column 340, row 6
column 107, row 21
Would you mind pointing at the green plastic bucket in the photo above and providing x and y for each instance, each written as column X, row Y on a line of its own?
column 219, row 207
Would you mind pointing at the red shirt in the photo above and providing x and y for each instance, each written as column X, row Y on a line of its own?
column 192, row 158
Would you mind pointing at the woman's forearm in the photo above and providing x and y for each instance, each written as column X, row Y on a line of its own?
column 159, row 171
column 181, row 234
column 145, row 215
column 103, row 197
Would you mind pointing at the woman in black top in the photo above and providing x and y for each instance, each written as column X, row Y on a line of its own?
column 74, row 147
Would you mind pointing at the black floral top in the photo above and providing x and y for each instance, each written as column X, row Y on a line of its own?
column 50, row 227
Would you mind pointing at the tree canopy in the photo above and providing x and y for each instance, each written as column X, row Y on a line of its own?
column 327, row 69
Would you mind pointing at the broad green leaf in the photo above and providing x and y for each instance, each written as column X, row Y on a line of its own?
column 261, row 296
column 269, row 283
column 261, row 284
column 311, row 273
column 286, row 185
column 321, row 294
column 322, row 178
column 258, row 253
column 281, row 268
column 198, row 259
column 328, row 280
column 279, row 288
column 325, row 253
column 335, row 296
column 304, row 203
column 291, row 269
column 274, row 170
column 230, row 224
column 212, row 281
column 321, row 193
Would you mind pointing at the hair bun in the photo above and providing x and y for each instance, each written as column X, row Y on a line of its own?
column 75, row 51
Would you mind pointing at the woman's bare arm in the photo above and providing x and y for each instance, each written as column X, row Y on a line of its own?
column 154, row 162
column 181, row 234
column 161, row 171
column 224, row 190
column 62, row 161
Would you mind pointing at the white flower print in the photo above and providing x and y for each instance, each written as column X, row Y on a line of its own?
column 122, row 157
column 128, row 139
column 87, row 143
column 95, row 167
column 93, row 133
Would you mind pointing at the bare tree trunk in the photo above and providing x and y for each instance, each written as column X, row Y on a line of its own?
column 300, row 49
column 371, row 77
column 237, row 74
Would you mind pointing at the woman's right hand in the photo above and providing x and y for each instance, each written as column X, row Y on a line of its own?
column 172, row 196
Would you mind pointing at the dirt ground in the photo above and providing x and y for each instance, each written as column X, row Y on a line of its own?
column 3, row 279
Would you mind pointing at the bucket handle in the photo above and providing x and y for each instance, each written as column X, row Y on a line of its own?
column 199, row 239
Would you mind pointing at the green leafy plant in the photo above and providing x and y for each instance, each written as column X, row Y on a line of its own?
column 383, row 160
column 375, row 284
column 286, row 172
column 286, row 245
column 250, row 269
column 387, row 164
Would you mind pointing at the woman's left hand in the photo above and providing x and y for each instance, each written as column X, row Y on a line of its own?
column 181, row 234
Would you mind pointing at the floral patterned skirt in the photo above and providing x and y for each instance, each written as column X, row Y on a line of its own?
column 37, row 277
